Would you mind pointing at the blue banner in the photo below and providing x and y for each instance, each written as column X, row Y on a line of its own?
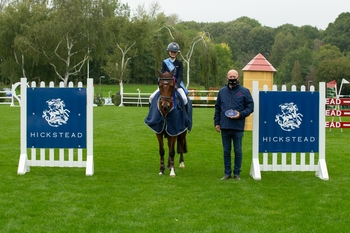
column 56, row 117
column 288, row 121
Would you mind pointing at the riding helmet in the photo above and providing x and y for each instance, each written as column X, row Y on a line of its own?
column 174, row 47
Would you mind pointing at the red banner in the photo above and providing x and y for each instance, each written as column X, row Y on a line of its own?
column 337, row 124
column 337, row 113
column 335, row 101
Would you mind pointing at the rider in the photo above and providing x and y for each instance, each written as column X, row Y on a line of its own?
column 168, row 65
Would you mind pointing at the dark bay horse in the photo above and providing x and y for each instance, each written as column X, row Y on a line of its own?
column 165, row 105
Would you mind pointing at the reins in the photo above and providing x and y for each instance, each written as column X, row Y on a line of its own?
column 167, row 98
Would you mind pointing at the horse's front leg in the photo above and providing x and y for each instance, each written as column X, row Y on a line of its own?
column 171, row 145
column 161, row 153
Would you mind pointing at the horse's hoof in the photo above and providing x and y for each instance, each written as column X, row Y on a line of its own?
column 182, row 165
column 161, row 173
column 172, row 172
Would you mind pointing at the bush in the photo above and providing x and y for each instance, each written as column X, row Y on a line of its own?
column 116, row 99
column 99, row 100
column 2, row 94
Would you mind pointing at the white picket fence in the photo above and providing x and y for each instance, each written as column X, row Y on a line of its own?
column 44, row 157
column 203, row 98
column 13, row 98
column 137, row 98
column 5, row 99
column 199, row 98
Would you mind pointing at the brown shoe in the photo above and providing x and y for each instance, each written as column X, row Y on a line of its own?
column 226, row 177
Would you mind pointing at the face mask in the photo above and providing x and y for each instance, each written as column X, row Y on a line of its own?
column 233, row 82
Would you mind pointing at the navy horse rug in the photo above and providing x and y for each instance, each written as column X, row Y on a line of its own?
column 175, row 122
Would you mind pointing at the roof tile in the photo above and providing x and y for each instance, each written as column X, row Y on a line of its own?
column 259, row 63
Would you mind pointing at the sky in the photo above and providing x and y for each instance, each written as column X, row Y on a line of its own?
column 271, row 13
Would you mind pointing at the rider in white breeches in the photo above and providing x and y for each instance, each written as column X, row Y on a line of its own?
column 169, row 65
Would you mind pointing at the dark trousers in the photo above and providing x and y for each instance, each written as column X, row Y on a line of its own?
column 230, row 137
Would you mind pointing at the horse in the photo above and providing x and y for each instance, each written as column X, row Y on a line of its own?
column 165, row 105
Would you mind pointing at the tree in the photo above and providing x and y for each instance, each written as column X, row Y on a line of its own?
column 208, row 65
column 117, row 62
column 281, row 46
column 224, row 63
column 297, row 78
column 236, row 37
column 338, row 33
column 260, row 40
column 202, row 36
column 333, row 69
column 327, row 52
column 3, row 4
column 66, row 48
column 302, row 56
column 131, row 55
column 40, row 32
column 59, row 40
column 306, row 36
column 17, row 59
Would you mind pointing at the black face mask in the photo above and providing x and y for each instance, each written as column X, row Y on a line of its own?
column 233, row 82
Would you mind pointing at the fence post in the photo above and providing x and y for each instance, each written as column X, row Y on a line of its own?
column 121, row 95
column 139, row 101
column 322, row 171
column 255, row 167
column 23, row 166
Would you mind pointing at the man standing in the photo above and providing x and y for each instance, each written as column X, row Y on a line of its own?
column 233, row 104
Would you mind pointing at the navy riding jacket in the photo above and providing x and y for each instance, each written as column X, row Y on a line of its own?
column 238, row 98
column 178, row 70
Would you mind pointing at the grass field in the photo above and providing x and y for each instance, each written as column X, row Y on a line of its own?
column 126, row 194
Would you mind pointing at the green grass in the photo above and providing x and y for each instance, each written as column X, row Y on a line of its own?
column 126, row 194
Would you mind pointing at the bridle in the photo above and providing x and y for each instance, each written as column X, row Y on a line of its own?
column 166, row 102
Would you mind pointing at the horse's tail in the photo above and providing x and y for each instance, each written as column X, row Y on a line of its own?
column 181, row 143
column 184, row 146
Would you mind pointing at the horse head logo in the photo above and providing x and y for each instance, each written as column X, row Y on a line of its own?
column 290, row 119
column 56, row 115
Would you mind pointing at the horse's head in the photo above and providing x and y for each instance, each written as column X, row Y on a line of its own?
column 166, row 88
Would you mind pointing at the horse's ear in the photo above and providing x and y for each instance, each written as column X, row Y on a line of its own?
column 159, row 73
column 172, row 72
